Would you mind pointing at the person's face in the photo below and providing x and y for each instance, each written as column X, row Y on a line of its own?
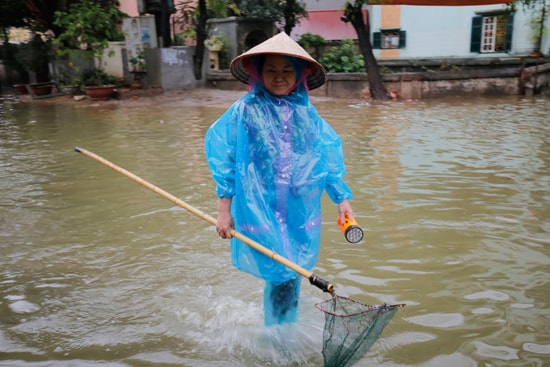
column 278, row 75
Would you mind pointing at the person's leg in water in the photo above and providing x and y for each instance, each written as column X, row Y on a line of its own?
column 281, row 301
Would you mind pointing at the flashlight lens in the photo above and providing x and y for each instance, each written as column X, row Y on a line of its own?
column 354, row 234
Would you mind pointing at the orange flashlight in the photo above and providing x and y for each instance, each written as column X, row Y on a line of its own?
column 351, row 230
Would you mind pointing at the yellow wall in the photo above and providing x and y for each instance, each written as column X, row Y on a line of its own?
column 391, row 18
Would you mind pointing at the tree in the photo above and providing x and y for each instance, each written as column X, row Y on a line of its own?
column 43, row 11
column 88, row 25
column 541, row 11
column 162, row 10
column 353, row 13
column 88, row 28
column 265, row 9
column 201, row 37
column 293, row 12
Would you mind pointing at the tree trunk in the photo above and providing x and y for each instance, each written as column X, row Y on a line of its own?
column 198, row 57
column 354, row 14
column 165, row 24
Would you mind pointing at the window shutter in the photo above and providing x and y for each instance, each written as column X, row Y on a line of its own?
column 509, row 31
column 376, row 40
column 402, row 39
column 475, row 40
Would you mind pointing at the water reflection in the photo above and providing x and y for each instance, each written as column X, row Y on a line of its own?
column 96, row 270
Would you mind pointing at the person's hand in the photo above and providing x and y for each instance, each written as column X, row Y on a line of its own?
column 225, row 223
column 344, row 209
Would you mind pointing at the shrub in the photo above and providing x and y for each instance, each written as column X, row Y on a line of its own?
column 343, row 59
column 308, row 40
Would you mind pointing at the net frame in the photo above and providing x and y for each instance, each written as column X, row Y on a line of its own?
column 351, row 328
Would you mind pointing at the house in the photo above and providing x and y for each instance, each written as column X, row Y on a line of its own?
column 482, row 32
column 423, row 31
column 414, row 31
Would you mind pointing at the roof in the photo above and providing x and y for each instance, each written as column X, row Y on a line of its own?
column 327, row 24
column 440, row 2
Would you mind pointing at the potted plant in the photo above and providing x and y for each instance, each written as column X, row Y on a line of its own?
column 139, row 68
column 215, row 45
column 70, row 80
column 88, row 28
column 98, row 84
column 21, row 88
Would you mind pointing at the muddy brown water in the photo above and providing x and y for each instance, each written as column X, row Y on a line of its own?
column 95, row 270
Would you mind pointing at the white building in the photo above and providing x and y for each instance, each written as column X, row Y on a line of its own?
column 410, row 31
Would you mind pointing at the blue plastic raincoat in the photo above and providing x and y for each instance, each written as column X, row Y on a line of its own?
column 275, row 156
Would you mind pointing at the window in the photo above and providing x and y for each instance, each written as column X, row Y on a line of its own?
column 389, row 39
column 491, row 33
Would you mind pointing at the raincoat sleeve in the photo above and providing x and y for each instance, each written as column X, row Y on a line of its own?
column 219, row 145
column 335, row 186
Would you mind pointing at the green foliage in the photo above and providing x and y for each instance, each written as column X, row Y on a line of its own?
column 216, row 42
column 187, row 16
column 308, row 40
column 69, row 74
column 385, row 70
column 293, row 12
column 219, row 44
column 353, row 11
column 264, row 9
column 540, row 12
column 449, row 67
column 529, row 4
column 181, row 38
column 138, row 62
column 190, row 33
column 217, row 7
column 343, row 59
column 97, row 77
column 89, row 27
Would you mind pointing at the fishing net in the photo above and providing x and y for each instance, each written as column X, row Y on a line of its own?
column 351, row 328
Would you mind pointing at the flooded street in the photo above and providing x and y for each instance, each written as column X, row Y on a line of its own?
column 95, row 270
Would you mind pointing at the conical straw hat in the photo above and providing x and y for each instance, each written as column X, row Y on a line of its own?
column 280, row 44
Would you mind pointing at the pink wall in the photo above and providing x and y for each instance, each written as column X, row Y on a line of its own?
column 326, row 23
column 129, row 7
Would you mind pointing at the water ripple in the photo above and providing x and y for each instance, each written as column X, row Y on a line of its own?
column 95, row 270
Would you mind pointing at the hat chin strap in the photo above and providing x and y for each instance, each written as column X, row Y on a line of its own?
column 291, row 89
column 302, row 80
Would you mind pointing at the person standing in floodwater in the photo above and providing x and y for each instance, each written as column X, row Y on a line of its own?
column 272, row 156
